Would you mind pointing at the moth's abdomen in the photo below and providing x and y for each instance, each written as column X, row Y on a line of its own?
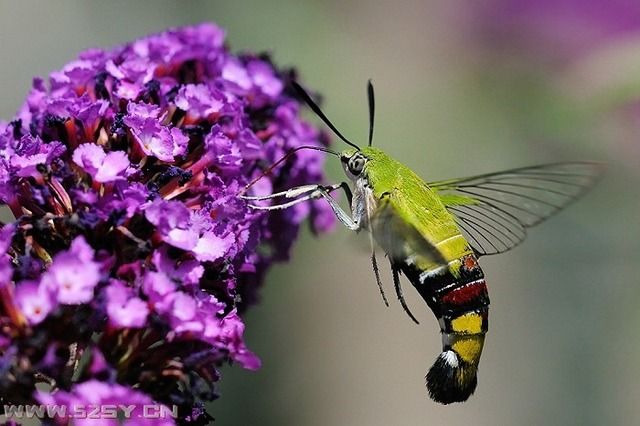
column 457, row 295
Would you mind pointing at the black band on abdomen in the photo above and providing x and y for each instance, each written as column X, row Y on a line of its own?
column 448, row 295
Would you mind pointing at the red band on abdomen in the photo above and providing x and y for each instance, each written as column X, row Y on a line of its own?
column 463, row 295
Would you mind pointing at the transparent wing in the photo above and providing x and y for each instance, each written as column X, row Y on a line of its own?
column 494, row 210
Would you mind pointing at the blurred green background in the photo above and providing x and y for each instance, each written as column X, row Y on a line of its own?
column 461, row 89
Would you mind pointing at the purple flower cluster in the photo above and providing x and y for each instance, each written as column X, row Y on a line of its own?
column 131, row 257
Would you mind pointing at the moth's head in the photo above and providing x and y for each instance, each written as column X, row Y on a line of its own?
column 353, row 162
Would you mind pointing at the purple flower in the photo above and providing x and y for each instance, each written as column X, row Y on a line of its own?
column 123, row 308
column 181, row 311
column 173, row 221
column 31, row 152
column 131, row 244
column 101, row 166
column 131, row 74
column 264, row 79
column 211, row 246
column 34, row 301
column 152, row 137
column 188, row 271
column 236, row 73
column 157, row 285
column 255, row 79
column 231, row 331
column 73, row 274
column 227, row 152
column 200, row 101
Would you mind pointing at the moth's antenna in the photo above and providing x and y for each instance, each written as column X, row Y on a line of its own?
column 284, row 157
column 372, row 110
column 315, row 108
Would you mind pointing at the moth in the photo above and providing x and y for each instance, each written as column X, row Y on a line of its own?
column 435, row 232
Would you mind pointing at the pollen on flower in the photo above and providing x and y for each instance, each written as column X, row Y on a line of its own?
column 130, row 246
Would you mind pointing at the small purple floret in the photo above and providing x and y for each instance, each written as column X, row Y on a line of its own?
column 73, row 274
column 123, row 308
column 34, row 301
column 101, row 166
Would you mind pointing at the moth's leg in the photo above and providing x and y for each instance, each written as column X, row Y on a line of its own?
column 289, row 193
column 396, row 283
column 376, row 271
column 317, row 191
column 374, row 261
column 323, row 191
column 342, row 216
column 285, row 205
column 355, row 225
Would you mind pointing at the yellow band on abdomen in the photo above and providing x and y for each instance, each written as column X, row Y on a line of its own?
column 469, row 348
column 469, row 323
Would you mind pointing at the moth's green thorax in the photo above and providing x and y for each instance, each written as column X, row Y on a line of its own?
column 411, row 199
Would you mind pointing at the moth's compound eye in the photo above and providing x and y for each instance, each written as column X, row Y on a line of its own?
column 356, row 164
